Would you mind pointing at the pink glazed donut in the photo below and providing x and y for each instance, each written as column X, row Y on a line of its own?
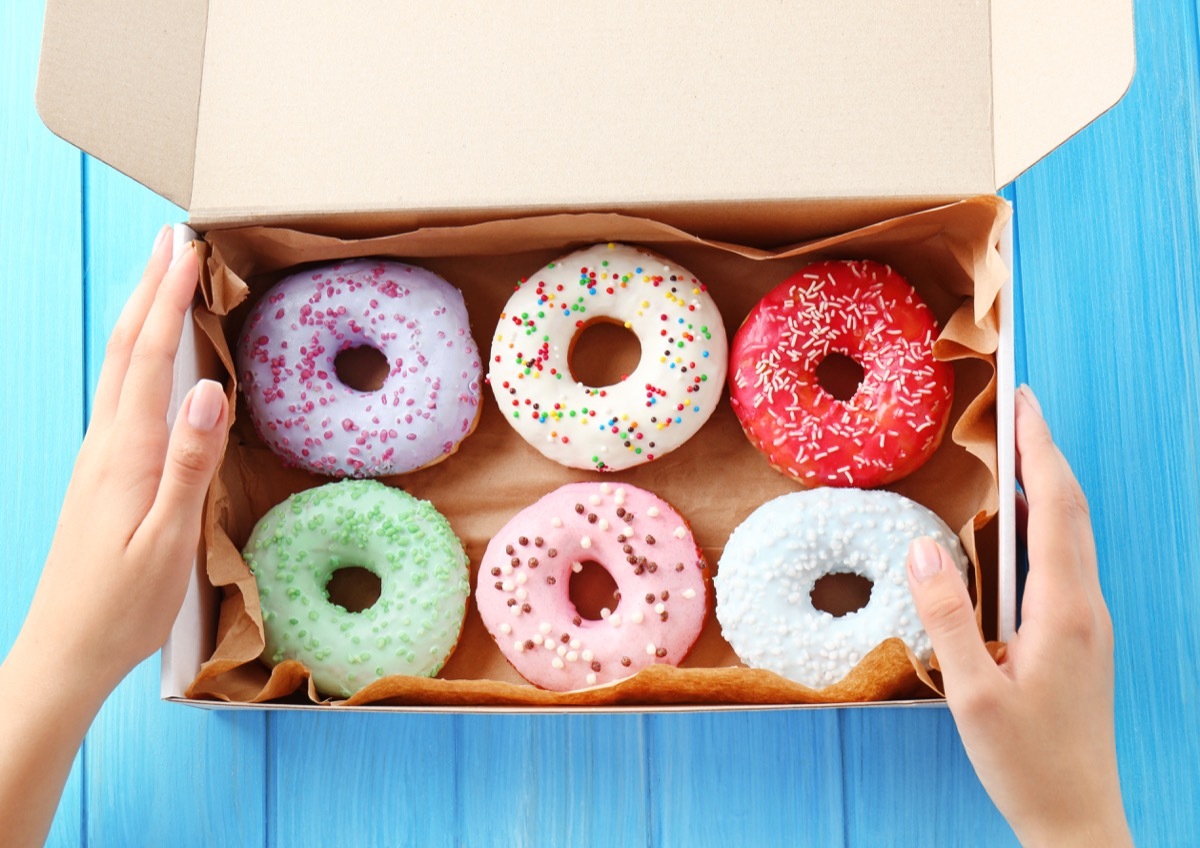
column 643, row 543
column 429, row 400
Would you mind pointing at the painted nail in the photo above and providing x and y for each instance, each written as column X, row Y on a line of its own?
column 924, row 559
column 208, row 399
column 158, row 239
column 1032, row 398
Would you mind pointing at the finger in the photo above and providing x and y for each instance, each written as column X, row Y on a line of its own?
column 945, row 609
column 127, row 328
column 1021, row 511
column 1059, row 534
column 147, row 388
column 192, row 457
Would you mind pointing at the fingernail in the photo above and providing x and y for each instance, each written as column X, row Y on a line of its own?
column 158, row 239
column 924, row 559
column 208, row 399
column 1032, row 398
column 184, row 253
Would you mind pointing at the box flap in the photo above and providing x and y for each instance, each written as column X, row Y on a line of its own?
column 1058, row 64
column 295, row 108
column 121, row 80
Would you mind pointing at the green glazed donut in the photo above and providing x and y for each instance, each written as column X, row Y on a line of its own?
column 413, row 627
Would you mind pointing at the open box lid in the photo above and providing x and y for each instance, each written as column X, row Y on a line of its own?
column 269, row 110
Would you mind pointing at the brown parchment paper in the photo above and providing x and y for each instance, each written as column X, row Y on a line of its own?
column 715, row 480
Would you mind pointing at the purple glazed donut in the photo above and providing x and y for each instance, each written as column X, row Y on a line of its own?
column 429, row 400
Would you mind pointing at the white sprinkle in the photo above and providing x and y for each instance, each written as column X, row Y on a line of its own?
column 519, row 646
column 615, row 619
column 572, row 656
column 652, row 512
column 505, row 628
column 603, row 524
column 544, row 627
column 575, row 644
column 587, row 655
column 637, row 617
column 680, row 532
column 594, row 500
column 556, row 522
column 688, row 594
column 558, row 663
column 577, row 567
column 516, row 609
column 562, row 650
column 507, row 586
column 585, row 542
column 605, row 488
column 548, row 644
column 660, row 608
column 605, row 613
column 650, row 649
column 506, row 569
column 522, row 594
column 591, row 678
column 522, row 578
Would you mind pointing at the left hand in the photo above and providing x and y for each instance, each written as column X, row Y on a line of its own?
column 129, row 528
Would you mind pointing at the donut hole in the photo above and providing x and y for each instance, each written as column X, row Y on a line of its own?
column 603, row 354
column 361, row 368
column 841, row 593
column 353, row 588
column 593, row 589
column 839, row 375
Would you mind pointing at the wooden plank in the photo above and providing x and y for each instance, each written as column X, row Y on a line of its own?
column 41, row 285
column 745, row 778
column 1110, row 265
column 553, row 780
column 353, row 779
column 909, row 782
column 157, row 774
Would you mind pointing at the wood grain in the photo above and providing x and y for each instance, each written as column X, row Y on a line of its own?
column 41, row 398
column 1108, row 333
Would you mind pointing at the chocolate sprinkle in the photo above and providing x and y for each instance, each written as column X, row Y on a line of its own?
column 627, row 548
column 524, row 540
column 533, row 562
column 595, row 665
column 591, row 518
column 508, row 549
column 660, row 653
column 537, row 541
column 526, row 608
column 649, row 540
column 500, row 585
column 550, row 581
column 552, row 553
column 565, row 638
column 666, row 596
column 649, row 598
column 577, row 621
column 529, row 644
column 579, row 508
column 495, row 572
column 625, row 661
column 512, row 602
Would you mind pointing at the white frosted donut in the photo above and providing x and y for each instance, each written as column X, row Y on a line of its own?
column 774, row 558
column 429, row 400
column 524, row 599
column 659, row 406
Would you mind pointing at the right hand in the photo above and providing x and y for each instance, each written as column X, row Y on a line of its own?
column 1038, row 725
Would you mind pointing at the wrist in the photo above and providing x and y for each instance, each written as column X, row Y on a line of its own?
column 44, row 669
column 1105, row 827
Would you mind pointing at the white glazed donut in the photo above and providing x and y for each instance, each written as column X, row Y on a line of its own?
column 428, row 403
column 774, row 558
column 654, row 410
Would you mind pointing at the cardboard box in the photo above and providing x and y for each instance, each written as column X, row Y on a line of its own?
column 747, row 123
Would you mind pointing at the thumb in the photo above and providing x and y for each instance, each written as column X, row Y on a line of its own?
column 192, row 457
column 945, row 609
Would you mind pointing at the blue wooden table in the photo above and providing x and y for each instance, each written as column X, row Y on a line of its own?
column 1108, row 331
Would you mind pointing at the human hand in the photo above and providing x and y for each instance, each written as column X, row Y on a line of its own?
column 1038, row 725
column 127, row 535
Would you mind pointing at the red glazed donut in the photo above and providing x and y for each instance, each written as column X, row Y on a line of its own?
column 894, row 421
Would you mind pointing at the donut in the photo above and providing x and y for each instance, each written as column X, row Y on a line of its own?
column 424, row 584
column 773, row 560
column 523, row 593
column 653, row 410
column 895, row 419
column 428, row 402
